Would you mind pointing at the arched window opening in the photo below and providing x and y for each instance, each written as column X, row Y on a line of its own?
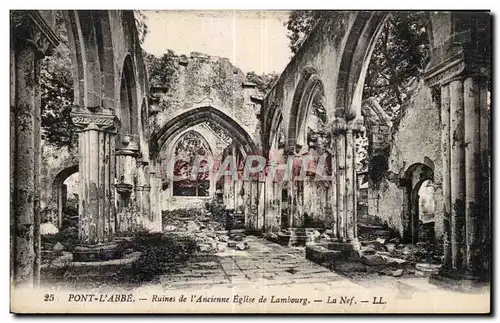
column 426, row 211
column 311, row 117
column 190, row 147
column 128, row 104
column 316, row 119
column 70, row 200
column 419, row 188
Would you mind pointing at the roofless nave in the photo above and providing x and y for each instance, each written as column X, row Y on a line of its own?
column 126, row 131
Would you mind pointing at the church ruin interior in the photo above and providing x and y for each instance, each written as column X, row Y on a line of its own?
column 399, row 187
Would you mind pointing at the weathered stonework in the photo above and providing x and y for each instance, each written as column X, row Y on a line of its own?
column 31, row 39
column 204, row 89
column 203, row 81
column 57, row 164
column 111, row 101
column 407, row 149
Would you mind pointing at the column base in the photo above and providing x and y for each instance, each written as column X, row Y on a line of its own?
column 100, row 252
column 453, row 279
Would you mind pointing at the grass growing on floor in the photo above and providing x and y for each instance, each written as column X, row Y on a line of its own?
column 160, row 253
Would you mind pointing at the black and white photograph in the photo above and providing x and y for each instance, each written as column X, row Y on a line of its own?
column 250, row 161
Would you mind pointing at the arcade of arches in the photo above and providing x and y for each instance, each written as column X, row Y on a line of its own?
column 127, row 132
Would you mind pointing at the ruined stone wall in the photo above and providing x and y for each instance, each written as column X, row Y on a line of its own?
column 126, row 43
column 56, row 165
column 416, row 141
column 201, row 81
column 319, row 54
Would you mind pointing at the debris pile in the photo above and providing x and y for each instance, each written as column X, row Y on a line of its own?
column 380, row 251
column 392, row 258
column 190, row 221
column 210, row 234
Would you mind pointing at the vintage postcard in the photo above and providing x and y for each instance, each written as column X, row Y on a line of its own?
column 258, row 161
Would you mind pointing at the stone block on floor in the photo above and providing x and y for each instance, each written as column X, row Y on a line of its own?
column 322, row 255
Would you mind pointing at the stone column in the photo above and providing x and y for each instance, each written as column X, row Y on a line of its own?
column 457, row 173
column 475, row 91
column 252, row 195
column 445, row 155
column 339, row 141
column 350, row 186
column 354, row 127
column 126, row 172
column 261, row 191
column 155, row 182
column 346, row 183
column 272, row 200
column 143, row 189
column 97, row 175
column 31, row 40
column 229, row 189
column 463, row 100
column 334, row 191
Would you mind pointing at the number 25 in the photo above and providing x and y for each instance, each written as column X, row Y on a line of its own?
column 48, row 297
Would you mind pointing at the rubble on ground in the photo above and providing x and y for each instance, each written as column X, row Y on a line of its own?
column 48, row 229
column 210, row 235
column 380, row 251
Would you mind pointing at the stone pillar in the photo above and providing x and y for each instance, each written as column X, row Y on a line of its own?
column 126, row 172
column 63, row 200
column 239, row 202
column 350, row 186
column 334, row 192
column 31, row 40
column 463, row 100
column 292, row 200
column 339, row 141
column 252, row 194
column 260, row 204
column 97, row 176
column 345, row 182
column 155, row 182
column 354, row 128
column 457, row 173
column 445, row 155
column 475, row 91
column 143, row 189
column 229, row 189
column 272, row 200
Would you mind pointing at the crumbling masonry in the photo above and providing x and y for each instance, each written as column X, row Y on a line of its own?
column 121, row 136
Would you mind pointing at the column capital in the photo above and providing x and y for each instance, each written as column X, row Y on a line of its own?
column 454, row 68
column 29, row 28
column 128, row 151
column 445, row 71
column 339, row 126
column 142, row 162
column 124, row 188
column 145, row 188
column 87, row 120
column 357, row 125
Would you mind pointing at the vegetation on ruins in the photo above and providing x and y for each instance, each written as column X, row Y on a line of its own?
column 160, row 253
column 399, row 57
column 162, row 71
column 56, row 91
column 141, row 25
column 56, row 88
column 264, row 82
column 397, row 63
